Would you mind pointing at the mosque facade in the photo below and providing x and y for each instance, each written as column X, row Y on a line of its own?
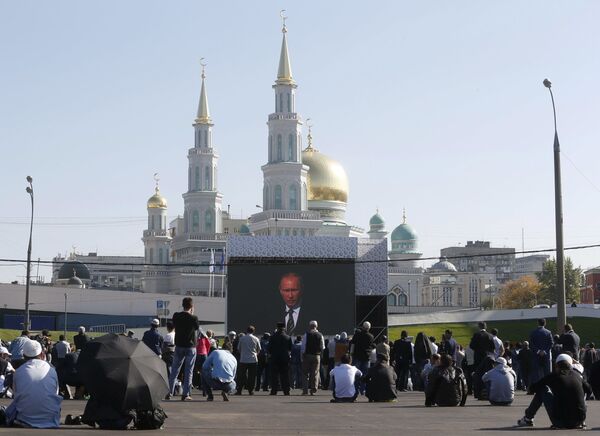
column 305, row 193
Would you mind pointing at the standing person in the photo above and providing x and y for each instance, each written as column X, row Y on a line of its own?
column 403, row 357
column 448, row 345
column 341, row 348
column 501, row 381
column 498, row 345
column 168, row 350
column 61, row 349
column 249, row 347
column 344, row 379
column 218, row 372
column 280, row 348
column 360, row 348
column 312, row 345
column 202, row 350
column 590, row 356
column 434, row 346
column 16, row 346
column 468, row 367
column 331, row 355
column 296, row 363
column 422, row 352
column 153, row 339
column 562, row 393
column 482, row 343
column 540, row 341
column 186, row 326
column 383, row 347
column 80, row 339
column 569, row 340
column 36, row 402
column 263, row 367
column 525, row 365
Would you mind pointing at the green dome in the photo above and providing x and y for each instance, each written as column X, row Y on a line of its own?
column 244, row 229
column 404, row 232
column 376, row 220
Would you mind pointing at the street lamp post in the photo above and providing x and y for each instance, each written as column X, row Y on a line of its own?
column 561, row 311
column 408, row 296
column 29, row 190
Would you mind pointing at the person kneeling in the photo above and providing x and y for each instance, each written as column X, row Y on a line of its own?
column 218, row 372
column 562, row 393
column 447, row 386
column 381, row 381
column 344, row 378
column 500, row 381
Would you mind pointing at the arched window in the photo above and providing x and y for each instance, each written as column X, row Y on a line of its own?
column 189, row 178
column 293, row 195
column 207, row 181
column 195, row 222
column 206, row 138
column 279, row 149
column 304, row 195
column 152, row 222
column 402, row 300
column 266, row 201
column 391, row 299
column 289, row 103
column 214, row 180
column 291, row 153
column 270, row 148
column 151, row 255
column 208, row 221
column 197, row 179
column 186, row 224
column 281, row 102
column 160, row 255
column 277, row 199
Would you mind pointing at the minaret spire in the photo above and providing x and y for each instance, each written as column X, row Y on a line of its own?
column 203, row 116
column 284, row 74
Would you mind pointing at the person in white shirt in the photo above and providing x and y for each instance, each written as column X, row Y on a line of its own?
column 498, row 345
column 6, row 372
column 36, row 401
column 343, row 380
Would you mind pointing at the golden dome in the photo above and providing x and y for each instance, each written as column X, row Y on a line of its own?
column 327, row 179
column 157, row 201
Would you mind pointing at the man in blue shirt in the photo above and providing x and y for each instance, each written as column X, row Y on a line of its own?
column 218, row 372
column 540, row 341
column 16, row 346
column 153, row 339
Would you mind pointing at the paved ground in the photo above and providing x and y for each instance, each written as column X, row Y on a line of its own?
column 262, row 415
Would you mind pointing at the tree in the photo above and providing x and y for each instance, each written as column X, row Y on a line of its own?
column 547, row 279
column 520, row 293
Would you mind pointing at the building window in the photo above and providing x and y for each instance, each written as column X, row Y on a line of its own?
column 391, row 299
column 189, row 178
column 266, row 201
column 293, row 195
column 279, row 149
column 291, row 153
column 152, row 222
column 152, row 255
column 207, row 181
column 289, row 103
column 460, row 297
column 195, row 222
column 197, row 179
column 277, row 197
column 208, row 221
column 402, row 300
column 280, row 102
column 447, row 296
column 270, row 148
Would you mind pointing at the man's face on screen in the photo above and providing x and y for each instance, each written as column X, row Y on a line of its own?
column 289, row 288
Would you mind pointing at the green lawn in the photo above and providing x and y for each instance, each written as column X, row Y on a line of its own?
column 587, row 329
column 9, row 335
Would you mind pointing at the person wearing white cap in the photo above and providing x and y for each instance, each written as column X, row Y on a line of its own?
column 562, row 393
column 6, row 371
column 36, row 402
column 501, row 383
column 153, row 339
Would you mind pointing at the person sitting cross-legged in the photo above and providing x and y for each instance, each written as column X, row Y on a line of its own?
column 343, row 381
column 218, row 372
column 447, row 386
column 501, row 383
column 562, row 393
column 381, row 381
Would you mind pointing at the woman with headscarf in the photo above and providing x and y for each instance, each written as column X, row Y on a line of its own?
column 422, row 353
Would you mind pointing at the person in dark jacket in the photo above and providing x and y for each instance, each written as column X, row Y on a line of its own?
column 422, row 353
column 380, row 381
column 360, row 347
column 279, row 349
column 563, row 395
column 296, row 364
column 403, row 357
column 479, row 388
column 482, row 343
column 447, row 386
column 540, row 341
column 80, row 339
column 448, row 344
column 525, row 358
column 153, row 339
column 594, row 379
column 569, row 340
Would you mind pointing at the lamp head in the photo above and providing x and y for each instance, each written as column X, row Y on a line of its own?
column 547, row 83
column 29, row 179
column 29, row 190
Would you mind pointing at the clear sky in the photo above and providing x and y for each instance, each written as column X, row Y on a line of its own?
column 434, row 106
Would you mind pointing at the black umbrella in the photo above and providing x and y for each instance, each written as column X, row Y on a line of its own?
column 123, row 372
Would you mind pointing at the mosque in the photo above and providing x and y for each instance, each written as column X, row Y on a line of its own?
column 305, row 193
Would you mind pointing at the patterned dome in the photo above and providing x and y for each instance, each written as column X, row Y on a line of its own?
column 404, row 232
column 376, row 220
column 73, row 268
column 443, row 266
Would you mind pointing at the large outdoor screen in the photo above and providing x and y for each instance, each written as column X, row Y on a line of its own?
column 262, row 294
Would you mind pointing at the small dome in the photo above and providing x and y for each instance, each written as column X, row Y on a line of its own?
column 327, row 179
column 404, row 232
column 157, row 201
column 244, row 229
column 376, row 220
column 443, row 266
column 75, row 281
column 74, row 268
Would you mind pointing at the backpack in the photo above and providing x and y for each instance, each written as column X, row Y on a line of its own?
column 150, row 419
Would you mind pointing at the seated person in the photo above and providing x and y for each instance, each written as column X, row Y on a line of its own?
column 447, row 386
column 343, row 381
column 70, row 375
column 381, row 380
column 435, row 361
column 218, row 372
column 562, row 393
column 6, row 373
column 500, row 382
column 479, row 388
column 36, row 402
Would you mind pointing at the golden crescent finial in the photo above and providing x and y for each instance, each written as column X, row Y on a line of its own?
column 156, row 179
column 203, row 64
column 309, row 136
column 283, row 18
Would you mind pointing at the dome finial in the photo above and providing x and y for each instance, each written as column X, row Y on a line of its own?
column 403, row 215
column 203, row 65
column 284, row 73
column 74, row 273
column 309, row 137
column 283, row 18
column 203, row 114
column 156, row 178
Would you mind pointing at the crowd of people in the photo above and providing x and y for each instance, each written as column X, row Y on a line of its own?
column 557, row 371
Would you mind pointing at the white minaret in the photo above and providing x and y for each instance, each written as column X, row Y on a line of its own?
column 156, row 243
column 284, row 175
column 202, row 201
